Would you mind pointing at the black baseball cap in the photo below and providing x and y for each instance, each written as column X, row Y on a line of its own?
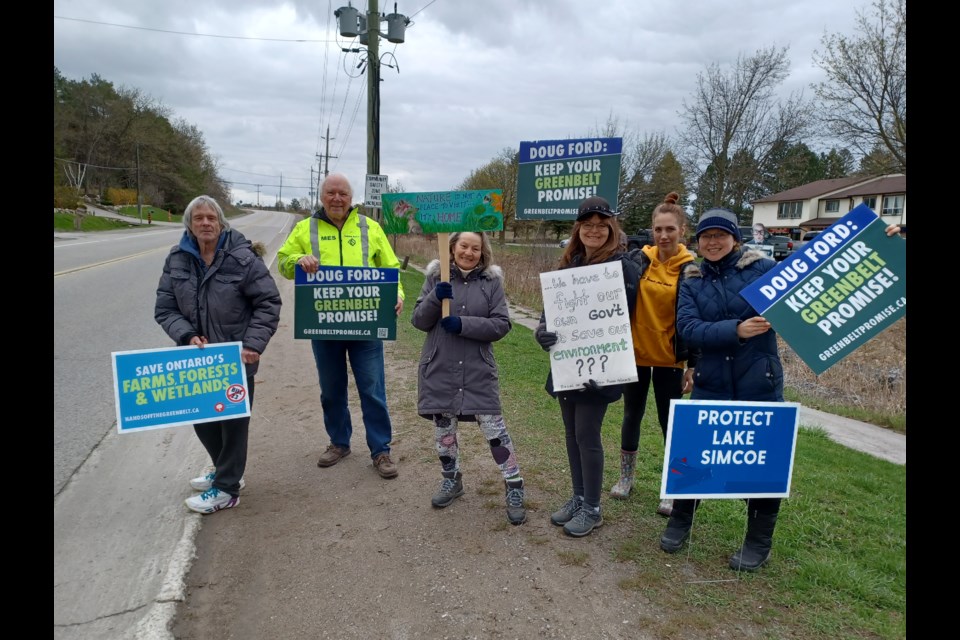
column 595, row 204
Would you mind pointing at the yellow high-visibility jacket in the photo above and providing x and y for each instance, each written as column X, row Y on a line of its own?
column 360, row 243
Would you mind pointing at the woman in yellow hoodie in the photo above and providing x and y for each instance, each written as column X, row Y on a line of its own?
column 659, row 354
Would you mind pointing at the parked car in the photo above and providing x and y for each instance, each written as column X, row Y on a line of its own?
column 807, row 237
column 782, row 245
column 564, row 243
column 641, row 238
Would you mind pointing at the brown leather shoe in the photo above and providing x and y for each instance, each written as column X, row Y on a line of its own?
column 332, row 455
column 385, row 466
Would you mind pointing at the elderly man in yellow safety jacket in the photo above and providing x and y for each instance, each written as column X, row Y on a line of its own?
column 337, row 235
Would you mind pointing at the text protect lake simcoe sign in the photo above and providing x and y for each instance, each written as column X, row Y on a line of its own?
column 728, row 449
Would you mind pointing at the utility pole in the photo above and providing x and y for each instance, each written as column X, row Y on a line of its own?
column 139, row 200
column 373, row 89
column 258, row 196
column 280, row 197
column 326, row 165
column 368, row 28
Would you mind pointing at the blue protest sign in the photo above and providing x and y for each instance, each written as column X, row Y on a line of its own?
column 156, row 388
column 727, row 449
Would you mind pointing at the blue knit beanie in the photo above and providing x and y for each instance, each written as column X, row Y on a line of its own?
column 719, row 219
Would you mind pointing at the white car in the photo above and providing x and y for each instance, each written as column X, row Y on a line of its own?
column 564, row 243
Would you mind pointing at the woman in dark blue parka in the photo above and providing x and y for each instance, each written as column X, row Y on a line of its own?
column 738, row 361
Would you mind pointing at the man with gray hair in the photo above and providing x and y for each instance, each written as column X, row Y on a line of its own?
column 338, row 235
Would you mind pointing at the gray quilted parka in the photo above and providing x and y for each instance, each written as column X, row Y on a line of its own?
column 235, row 299
column 457, row 372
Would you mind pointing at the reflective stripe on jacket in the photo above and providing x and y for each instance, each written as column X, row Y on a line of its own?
column 360, row 243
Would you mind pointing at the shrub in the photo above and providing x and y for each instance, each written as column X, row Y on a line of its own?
column 65, row 198
column 121, row 196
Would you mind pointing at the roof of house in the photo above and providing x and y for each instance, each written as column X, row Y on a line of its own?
column 810, row 190
column 818, row 223
column 886, row 184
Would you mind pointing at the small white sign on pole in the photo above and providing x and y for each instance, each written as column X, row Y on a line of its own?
column 376, row 185
column 587, row 308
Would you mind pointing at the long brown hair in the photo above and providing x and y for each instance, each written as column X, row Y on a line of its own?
column 575, row 246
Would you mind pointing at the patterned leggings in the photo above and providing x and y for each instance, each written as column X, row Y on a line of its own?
column 495, row 432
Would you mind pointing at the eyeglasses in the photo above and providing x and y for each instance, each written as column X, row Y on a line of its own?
column 591, row 226
column 714, row 236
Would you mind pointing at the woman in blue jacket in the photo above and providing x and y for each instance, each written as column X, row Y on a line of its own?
column 738, row 360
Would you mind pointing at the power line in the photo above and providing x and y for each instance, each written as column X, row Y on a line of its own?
column 95, row 166
column 188, row 33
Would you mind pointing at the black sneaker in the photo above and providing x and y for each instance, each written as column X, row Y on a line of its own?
column 566, row 512
column 451, row 488
column 516, row 514
column 585, row 520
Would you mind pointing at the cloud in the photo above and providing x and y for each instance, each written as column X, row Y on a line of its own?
column 471, row 78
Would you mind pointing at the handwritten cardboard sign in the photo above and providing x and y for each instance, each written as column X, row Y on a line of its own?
column 587, row 308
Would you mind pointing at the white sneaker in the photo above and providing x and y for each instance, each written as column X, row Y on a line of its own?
column 204, row 482
column 212, row 500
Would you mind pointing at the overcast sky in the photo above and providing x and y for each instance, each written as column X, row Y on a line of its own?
column 263, row 80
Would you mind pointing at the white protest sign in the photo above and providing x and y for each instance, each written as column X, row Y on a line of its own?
column 587, row 308
column 376, row 185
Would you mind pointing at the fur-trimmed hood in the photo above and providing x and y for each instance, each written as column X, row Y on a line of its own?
column 746, row 258
column 491, row 272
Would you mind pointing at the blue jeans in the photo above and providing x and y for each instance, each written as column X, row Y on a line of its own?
column 366, row 361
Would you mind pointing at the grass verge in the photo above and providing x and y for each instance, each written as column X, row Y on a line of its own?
column 838, row 568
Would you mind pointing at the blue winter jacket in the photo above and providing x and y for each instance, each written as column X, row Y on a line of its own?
column 709, row 310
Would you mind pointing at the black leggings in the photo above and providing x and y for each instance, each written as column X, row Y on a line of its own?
column 667, row 386
column 581, row 423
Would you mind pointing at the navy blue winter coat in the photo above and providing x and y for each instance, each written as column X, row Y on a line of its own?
column 709, row 310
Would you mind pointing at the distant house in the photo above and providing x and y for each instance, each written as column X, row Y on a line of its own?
column 819, row 204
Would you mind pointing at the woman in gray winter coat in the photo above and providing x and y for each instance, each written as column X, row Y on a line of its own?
column 216, row 288
column 458, row 377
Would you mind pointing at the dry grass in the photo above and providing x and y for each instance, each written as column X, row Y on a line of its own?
column 870, row 384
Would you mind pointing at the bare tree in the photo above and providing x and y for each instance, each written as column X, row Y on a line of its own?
column 864, row 99
column 735, row 122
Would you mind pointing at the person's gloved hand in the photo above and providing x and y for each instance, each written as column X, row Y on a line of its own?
column 443, row 290
column 546, row 339
column 591, row 384
column 451, row 324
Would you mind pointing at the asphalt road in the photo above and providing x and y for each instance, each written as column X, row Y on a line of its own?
column 122, row 538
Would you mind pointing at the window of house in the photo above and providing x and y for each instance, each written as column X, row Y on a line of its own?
column 789, row 210
column 871, row 202
column 832, row 206
column 892, row 206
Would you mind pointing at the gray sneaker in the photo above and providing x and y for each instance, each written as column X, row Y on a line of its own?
column 516, row 514
column 451, row 488
column 566, row 512
column 585, row 520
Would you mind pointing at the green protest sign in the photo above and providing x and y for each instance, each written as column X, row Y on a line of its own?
column 554, row 176
column 838, row 292
column 345, row 303
column 443, row 211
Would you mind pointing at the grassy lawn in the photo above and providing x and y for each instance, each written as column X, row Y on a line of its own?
column 157, row 213
column 838, row 568
column 65, row 222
